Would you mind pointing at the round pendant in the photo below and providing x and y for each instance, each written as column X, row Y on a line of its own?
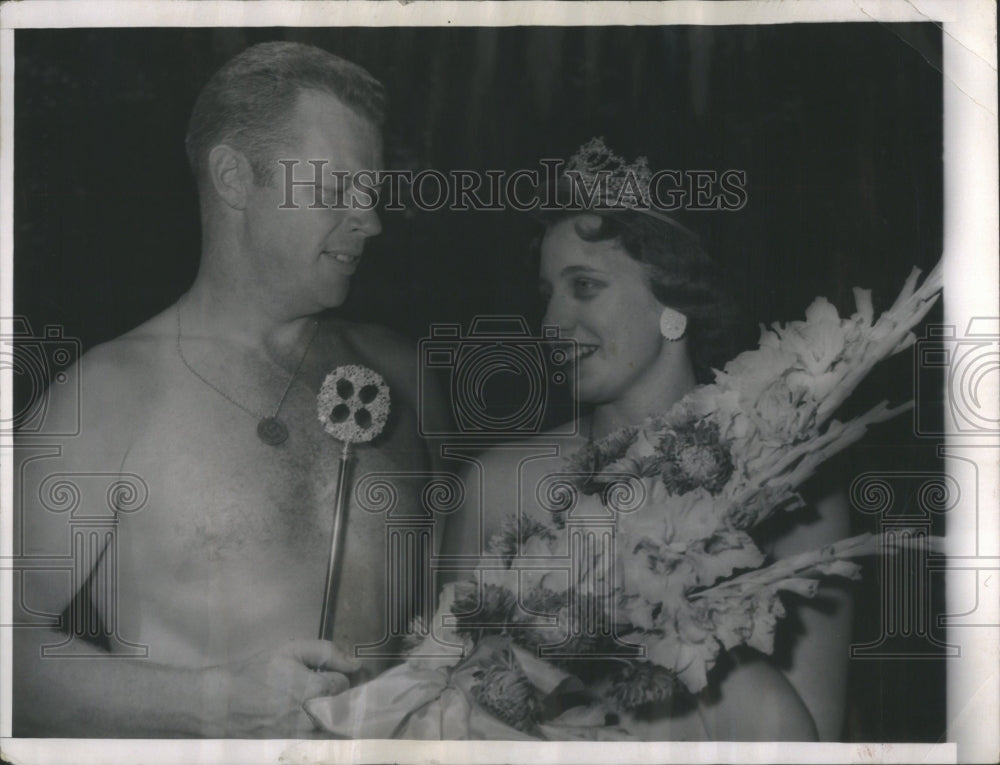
column 272, row 431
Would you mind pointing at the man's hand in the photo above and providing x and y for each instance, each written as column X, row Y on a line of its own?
column 262, row 695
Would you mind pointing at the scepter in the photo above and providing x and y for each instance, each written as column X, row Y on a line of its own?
column 353, row 405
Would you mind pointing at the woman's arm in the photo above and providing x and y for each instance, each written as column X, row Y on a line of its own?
column 754, row 701
column 820, row 649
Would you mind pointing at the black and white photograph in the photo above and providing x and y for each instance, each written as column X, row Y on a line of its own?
column 499, row 382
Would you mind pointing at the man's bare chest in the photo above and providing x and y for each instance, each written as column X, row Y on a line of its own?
column 202, row 458
column 239, row 531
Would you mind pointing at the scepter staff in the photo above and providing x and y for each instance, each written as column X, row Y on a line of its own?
column 333, row 560
column 353, row 405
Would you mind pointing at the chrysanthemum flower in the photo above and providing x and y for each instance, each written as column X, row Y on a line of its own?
column 694, row 457
column 509, row 542
column 641, row 683
column 505, row 691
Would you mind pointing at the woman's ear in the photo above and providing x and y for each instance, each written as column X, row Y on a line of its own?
column 231, row 175
column 673, row 323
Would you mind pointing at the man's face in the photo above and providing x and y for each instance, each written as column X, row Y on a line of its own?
column 307, row 254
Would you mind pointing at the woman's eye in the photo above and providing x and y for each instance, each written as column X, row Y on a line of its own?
column 586, row 288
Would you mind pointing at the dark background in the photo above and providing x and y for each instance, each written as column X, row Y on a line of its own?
column 838, row 127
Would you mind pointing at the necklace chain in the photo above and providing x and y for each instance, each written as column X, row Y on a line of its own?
column 229, row 398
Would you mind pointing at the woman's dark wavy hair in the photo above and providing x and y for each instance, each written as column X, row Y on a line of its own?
column 681, row 275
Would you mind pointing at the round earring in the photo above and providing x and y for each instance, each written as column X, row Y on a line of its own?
column 672, row 324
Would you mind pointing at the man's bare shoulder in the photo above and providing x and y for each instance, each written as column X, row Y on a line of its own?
column 134, row 357
column 92, row 413
column 389, row 352
column 380, row 341
column 120, row 376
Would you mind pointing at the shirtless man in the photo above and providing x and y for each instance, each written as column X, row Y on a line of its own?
column 221, row 574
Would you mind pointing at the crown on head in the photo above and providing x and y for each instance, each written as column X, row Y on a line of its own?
column 607, row 181
column 619, row 183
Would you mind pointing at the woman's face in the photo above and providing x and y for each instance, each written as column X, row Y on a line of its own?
column 600, row 296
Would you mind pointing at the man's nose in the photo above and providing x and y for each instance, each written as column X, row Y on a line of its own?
column 366, row 221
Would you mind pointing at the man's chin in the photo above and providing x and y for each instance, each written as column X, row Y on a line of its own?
column 335, row 297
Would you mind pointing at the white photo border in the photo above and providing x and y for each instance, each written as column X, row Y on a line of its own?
column 970, row 247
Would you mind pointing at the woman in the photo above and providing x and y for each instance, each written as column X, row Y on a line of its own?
column 643, row 303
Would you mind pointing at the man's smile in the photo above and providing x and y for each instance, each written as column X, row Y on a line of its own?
column 344, row 256
column 347, row 259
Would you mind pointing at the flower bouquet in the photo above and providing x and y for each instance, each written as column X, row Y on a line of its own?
column 663, row 574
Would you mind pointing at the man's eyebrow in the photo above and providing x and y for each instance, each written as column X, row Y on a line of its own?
column 347, row 181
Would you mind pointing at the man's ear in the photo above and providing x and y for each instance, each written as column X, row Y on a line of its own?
column 231, row 175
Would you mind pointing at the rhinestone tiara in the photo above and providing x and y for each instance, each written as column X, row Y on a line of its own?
column 622, row 184
column 614, row 184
